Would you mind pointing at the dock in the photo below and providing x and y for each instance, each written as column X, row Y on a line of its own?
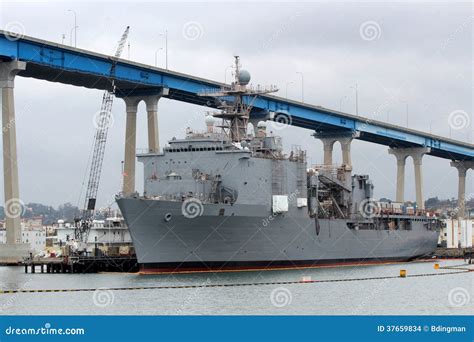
column 129, row 263
column 81, row 264
column 455, row 253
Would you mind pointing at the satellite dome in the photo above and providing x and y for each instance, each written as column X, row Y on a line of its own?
column 209, row 120
column 244, row 77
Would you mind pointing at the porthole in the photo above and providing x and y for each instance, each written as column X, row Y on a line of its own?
column 167, row 217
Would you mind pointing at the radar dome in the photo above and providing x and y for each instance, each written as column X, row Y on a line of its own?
column 209, row 120
column 244, row 77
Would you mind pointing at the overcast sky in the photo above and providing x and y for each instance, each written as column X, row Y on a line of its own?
column 420, row 54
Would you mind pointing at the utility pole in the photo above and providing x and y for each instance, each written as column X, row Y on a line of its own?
column 356, row 87
column 407, row 114
column 302, row 85
column 156, row 55
column 166, row 47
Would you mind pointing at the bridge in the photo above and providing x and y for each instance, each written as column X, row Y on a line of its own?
column 31, row 57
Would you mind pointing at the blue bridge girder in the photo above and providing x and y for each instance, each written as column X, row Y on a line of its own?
column 64, row 64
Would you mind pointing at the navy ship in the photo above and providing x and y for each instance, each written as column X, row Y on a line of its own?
column 230, row 198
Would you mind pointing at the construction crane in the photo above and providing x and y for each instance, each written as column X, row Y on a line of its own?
column 100, row 139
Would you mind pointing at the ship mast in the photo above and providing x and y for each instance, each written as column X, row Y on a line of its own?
column 236, row 112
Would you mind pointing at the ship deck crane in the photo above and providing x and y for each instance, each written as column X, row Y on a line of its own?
column 100, row 139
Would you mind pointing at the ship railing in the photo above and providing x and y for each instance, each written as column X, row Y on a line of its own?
column 142, row 150
column 405, row 212
column 327, row 168
column 203, row 198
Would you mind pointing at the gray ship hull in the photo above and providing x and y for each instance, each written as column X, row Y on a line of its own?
column 225, row 237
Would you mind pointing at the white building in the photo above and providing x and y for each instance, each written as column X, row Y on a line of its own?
column 457, row 233
column 32, row 233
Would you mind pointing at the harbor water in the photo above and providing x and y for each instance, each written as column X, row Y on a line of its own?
column 353, row 292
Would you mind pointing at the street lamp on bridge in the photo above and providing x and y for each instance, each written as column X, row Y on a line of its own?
column 302, row 85
column 74, row 28
column 156, row 56
column 166, row 47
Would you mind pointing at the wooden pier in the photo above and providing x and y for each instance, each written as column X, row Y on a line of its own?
column 81, row 264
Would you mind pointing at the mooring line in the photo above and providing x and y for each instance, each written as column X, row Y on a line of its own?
column 458, row 270
column 458, row 267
